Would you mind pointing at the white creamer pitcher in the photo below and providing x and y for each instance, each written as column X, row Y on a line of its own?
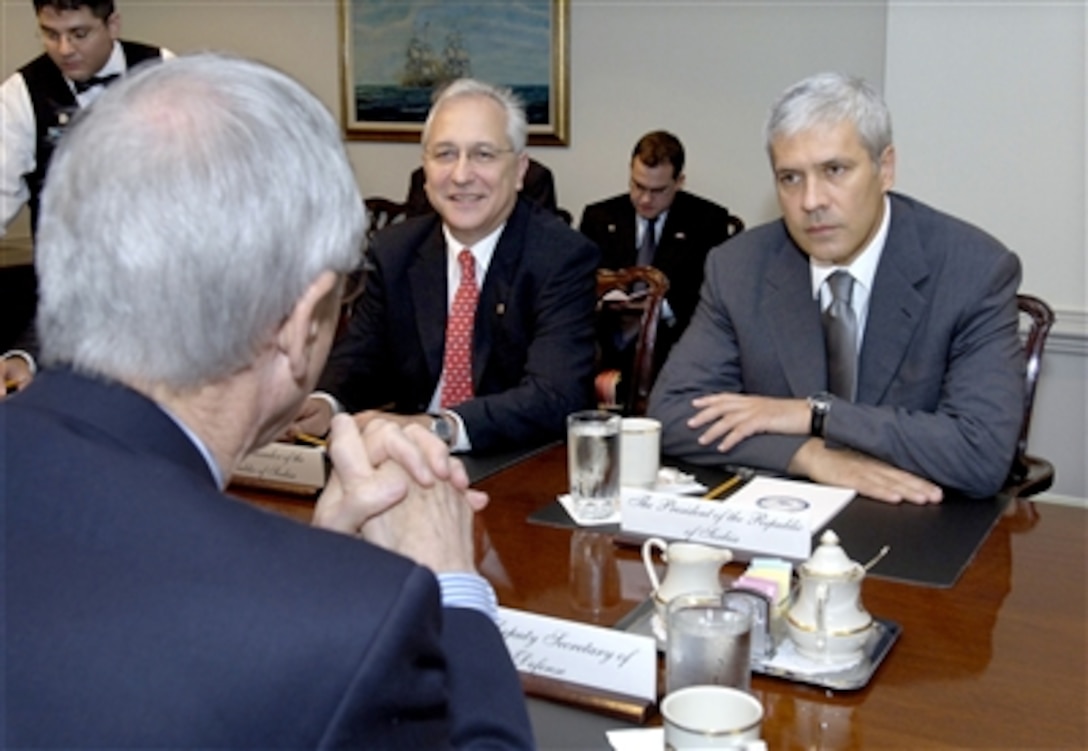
column 827, row 621
column 691, row 567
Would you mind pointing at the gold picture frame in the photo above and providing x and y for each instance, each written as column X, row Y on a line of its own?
column 394, row 53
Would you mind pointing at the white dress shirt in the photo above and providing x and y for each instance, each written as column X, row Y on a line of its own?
column 482, row 253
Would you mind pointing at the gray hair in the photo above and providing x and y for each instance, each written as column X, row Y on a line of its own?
column 517, row 127
column 184, row 216
column 828, row 99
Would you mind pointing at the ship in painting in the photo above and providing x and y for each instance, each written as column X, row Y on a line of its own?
column 425, row 68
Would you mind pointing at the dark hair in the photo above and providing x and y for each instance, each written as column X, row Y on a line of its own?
column 659, row 147
column 100, row 8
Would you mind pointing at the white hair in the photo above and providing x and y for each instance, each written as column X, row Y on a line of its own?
column 184, row 215
column 517, row 127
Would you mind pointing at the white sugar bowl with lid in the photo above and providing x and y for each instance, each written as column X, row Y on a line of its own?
column 826, row 620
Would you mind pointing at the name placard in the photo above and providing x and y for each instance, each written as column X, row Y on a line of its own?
column 593, row 656
column 759, row 530
column 283, row 466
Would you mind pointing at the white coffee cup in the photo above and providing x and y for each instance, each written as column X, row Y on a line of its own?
column 709, row 717
column 640, row 451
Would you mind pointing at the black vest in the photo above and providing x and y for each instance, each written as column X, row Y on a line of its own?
column 54, row 107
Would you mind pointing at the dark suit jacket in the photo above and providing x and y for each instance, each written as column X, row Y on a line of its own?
column 145, row 609
column 941, row 369
column 693, row 226
column 533, row 346
column 538, row 186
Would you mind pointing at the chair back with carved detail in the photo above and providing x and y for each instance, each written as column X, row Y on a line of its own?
column 1031, row 474
column 628, row 312
column 734, row 226
column 381, row 212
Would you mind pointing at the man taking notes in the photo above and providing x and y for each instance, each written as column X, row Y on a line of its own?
column 188, row 304
column 865, row 339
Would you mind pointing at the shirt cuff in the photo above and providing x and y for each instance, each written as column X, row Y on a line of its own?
column 468, row 590
column 462, row 442
column 25, row 357
column 337, row 407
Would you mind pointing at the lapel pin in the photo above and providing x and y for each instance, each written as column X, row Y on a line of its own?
column 500, row 309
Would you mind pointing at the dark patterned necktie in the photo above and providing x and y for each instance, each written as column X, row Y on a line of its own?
column 841, row 336
column 457, row 361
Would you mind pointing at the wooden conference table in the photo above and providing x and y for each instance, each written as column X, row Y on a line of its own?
column 998, row 660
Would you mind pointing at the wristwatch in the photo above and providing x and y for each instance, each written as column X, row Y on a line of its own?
column 442, row 427
column 820, row 404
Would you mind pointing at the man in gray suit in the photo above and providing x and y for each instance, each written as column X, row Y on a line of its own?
column 933, row 391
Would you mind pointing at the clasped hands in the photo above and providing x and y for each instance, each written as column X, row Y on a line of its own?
column 398, row 487
column 729, row 418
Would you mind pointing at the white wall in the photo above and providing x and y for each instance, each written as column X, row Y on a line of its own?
column 988, row 101
column 989, row 110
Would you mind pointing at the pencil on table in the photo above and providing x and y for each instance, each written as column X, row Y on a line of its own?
column 313, row 440
column 725, row 487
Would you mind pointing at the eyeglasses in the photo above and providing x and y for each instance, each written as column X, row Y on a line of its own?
column 74, row 37
column 642, row 190
column 480, row 155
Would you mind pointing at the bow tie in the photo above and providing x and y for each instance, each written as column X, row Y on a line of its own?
column 90, row 83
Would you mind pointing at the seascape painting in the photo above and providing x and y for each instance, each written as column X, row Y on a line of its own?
column 397, row 52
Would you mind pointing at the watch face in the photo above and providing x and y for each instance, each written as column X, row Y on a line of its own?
column 441, row 428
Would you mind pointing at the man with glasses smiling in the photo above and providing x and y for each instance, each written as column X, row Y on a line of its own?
column 82, row 55
column 685, row 227
column 477, row 321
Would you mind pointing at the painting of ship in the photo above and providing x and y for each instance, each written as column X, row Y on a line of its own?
column 424, row 68
column 397, row 53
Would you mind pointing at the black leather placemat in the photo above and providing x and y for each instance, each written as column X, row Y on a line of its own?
column 480, row 466
column 930, row 545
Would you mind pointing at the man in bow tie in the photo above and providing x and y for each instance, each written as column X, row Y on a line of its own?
column 82, row 55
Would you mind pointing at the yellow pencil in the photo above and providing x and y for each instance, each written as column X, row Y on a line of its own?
column 313, row 440
column 725, row 487
column 10, row 384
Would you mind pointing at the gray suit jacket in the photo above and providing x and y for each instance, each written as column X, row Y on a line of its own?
column 940, row 389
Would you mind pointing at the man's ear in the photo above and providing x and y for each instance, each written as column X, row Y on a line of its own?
column 522, row 167
column 887, row 168
column 300, row 330
column 113, row 24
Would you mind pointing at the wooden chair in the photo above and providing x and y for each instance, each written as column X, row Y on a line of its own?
column 1030, row 474
column 628, row 309
column 381, row 212
column 734, row 226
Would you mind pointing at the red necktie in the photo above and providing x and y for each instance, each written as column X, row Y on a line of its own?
column 457, row 363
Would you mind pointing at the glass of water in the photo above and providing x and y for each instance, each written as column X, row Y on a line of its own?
column 593, row 452
column 707, row 643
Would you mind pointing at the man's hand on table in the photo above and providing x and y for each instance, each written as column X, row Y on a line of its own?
column 868, row 476
column 730, row 418
column 398, row 487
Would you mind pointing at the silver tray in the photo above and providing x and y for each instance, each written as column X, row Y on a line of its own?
column 851, row 678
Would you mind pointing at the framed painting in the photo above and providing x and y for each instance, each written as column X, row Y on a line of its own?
column 396, row 53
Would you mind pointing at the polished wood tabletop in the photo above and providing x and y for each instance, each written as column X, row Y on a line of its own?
column 999, row 660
